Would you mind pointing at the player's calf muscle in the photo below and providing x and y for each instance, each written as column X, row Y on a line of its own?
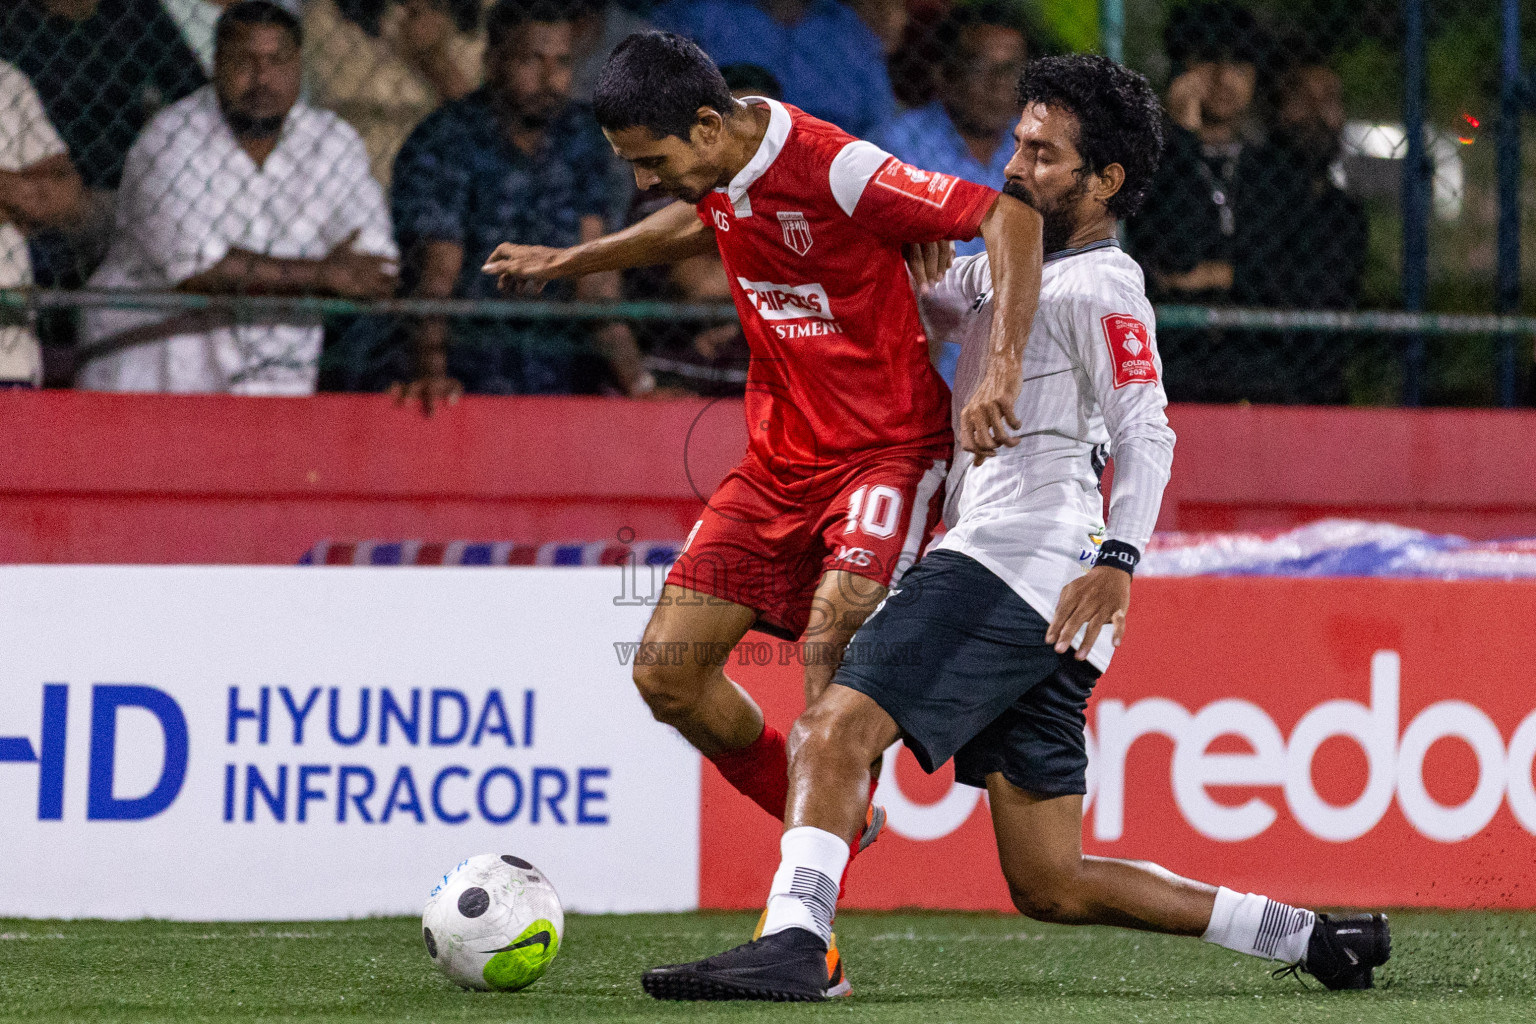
column 830, row 748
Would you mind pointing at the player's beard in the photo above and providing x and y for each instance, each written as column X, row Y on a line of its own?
column 1059, row 216
column 246, row 125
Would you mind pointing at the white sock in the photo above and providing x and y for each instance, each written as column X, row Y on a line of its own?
column 1259, row 926
column 804, row 893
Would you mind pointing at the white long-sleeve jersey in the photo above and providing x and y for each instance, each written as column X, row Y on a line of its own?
column 1033, row 514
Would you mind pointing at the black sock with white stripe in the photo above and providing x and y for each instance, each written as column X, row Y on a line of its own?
column 1259, row 926
column 804, row 893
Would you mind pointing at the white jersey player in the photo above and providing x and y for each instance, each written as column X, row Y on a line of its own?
column 988, row 649
column 1033, row 515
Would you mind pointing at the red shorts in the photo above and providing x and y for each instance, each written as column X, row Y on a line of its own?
column 765, row 543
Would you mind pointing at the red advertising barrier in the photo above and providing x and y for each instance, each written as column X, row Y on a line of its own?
column 220, row 479
column 1323, row 741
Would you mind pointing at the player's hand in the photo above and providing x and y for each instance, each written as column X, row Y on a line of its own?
column 1098, row 599
column 352, row 274
column 432, row 386
column 523, row 268
column 1186, row 97
column 429, row 391
column 927, row 262
column 988, row 417
column 709, row 342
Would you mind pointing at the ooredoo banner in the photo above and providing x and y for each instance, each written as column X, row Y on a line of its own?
column 285, row 743
column 1324, row 741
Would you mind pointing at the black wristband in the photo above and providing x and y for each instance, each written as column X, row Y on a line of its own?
column 1118, row 555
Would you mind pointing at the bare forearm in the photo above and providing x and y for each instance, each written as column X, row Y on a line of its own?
column 1011, row 231
column 617, row 344
column 440, row 266
column 431, row 345
column 447, row 76
column 251, row 273
column 603, row 287
column 1210, row 275
column 41, row 196
column 670, row 234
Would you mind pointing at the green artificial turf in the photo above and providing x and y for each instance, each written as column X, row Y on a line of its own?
column 928, row 968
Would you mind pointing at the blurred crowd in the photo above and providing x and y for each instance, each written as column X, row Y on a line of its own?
column 379, row 148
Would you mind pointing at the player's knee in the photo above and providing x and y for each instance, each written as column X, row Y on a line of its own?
column 1051, row 897
column 825, row 731
column 666, row 689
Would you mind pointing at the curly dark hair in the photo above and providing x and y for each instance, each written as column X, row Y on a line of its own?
column 1119, row 119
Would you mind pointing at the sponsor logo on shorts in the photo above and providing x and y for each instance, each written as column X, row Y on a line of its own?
column 861, row 557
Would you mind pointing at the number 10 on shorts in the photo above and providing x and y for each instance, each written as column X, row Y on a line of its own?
column 881, row 510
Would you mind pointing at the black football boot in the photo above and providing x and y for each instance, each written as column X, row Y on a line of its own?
column 1344, row 949
column 786, row 967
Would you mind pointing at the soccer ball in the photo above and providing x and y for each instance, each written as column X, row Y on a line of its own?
column 493, row 922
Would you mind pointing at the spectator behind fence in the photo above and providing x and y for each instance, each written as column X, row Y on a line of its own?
column 1186, row 234
column 1305, row 243
column 968, row 130
column 828, row 61
column 102, row 68
column 38, row 187
column 514, row 161
column 1301, row 244
column 598, row 26
column 241, row 188
column 384, row 65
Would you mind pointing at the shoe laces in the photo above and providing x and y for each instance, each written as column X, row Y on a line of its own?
column 1291, row 970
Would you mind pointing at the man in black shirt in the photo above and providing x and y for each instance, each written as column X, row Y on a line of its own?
column 1187, row 236
column 1302, row 242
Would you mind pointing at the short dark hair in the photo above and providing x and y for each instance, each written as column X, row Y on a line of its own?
column 1213, row 30
column 658, row 81
column 507, row 16
column 1119, row 120
column 257, row 12
column 950, row 32
column 753, row 78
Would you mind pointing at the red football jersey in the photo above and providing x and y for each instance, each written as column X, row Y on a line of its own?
column 811, row 232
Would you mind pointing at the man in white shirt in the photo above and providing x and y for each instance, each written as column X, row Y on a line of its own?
column 241, row 188
column 38, row 188
column 988, row 649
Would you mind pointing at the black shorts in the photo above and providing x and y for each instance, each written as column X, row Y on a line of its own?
column 960, row 662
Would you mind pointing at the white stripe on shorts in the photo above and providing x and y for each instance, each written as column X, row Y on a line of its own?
column 917, row 524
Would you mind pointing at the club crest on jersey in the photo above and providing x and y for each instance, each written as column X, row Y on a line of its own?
column 797, row 232
column 1130, row 349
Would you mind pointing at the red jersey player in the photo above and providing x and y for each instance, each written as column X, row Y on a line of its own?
column 847, row 420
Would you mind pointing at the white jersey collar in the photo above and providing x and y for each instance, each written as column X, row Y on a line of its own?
column 767, row 152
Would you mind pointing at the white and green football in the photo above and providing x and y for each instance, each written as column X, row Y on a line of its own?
column 493, row 922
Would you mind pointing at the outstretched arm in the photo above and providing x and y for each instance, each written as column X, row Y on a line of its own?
column 1011, row 230
column 672, row 233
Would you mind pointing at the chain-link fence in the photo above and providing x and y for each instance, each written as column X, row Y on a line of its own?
column 163, row 163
